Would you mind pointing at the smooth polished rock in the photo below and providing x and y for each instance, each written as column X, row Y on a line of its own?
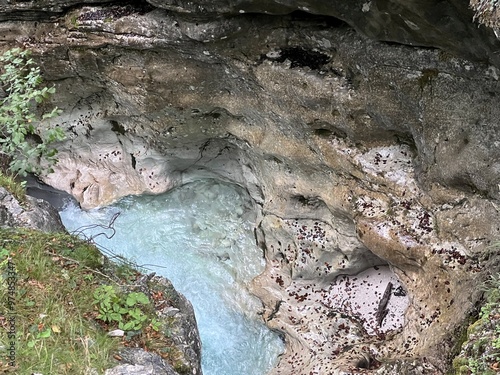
column 391, row 149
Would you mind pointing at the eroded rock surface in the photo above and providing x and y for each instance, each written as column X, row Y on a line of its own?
column 443, row 24
column 360, row 154
column 32, row 213
column 140, row 362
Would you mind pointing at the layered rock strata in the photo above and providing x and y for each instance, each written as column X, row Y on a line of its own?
column 359, row 154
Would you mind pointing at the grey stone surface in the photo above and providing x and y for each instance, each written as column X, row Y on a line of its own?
column 38, row 9
column 392, row 148
column 184, row 330
column 57, row 198
column 34, row 213
column 444, row 24
column 176, row 314
column 140, row 362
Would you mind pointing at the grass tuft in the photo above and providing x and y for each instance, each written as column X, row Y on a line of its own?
column 480, row 354
column 51, row 307
column 15, row 187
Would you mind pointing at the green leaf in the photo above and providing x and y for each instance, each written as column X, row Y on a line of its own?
column 134, row 298
column 128, row 326
column 44, row 334
column 155, row 324
column 116, row 317
column 4, row 253
column 21, row 79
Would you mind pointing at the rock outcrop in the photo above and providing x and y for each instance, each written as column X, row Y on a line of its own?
column 387, row 151
column 31, row 213
column 443, row 24
column 140, row 362
column 186, row 345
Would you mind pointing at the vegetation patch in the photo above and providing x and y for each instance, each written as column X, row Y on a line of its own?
column 480, row 354
column 63, row 298
column 22, row 142
column 15, row 187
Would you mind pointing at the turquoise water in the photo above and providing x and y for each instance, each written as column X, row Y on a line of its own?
column 200, row 236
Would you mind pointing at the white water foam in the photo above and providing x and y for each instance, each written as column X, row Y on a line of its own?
column 201, row 238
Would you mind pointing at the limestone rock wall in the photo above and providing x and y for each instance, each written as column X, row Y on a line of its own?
column 388, row 151
column 443, row 24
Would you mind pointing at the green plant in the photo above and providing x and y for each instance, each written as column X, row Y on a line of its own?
column 39, row 337
column 57, row 331
column 4, row 257
column 74, row 21
column 496, row 342
column 480, row 354
column 20, row 139
column 122, row 309
column 18, row 189
column 126, row 272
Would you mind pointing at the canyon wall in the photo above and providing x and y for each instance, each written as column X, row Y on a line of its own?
column 365, row 132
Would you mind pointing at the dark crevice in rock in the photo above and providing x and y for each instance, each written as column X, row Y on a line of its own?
column 464, row 183
column 368, row 362
column 329, row 21
column 299, row 57
column 134, row 161
column 323, row 133
column 57, row 198
column 311, row 202
column 117, row 128
column 395, row 43
column 28, row 15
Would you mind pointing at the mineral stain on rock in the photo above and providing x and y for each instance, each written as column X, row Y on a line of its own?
column 317, row 131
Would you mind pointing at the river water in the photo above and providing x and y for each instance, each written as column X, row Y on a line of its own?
column 200, row 236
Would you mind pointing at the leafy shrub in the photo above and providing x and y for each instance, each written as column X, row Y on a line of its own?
column 20, row 139
column 480, row 354
column 122, row 309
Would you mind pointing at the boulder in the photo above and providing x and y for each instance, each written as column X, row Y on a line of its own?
column 32, row 213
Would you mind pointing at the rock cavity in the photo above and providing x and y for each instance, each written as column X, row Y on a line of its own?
column 391, row 149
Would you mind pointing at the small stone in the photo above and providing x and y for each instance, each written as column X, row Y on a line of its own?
column 116, row 333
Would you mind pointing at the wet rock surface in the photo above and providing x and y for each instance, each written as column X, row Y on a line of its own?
column 360, row 154
column 57, row 198
column 443, row 24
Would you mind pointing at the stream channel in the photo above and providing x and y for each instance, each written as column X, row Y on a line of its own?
column 200, row 236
